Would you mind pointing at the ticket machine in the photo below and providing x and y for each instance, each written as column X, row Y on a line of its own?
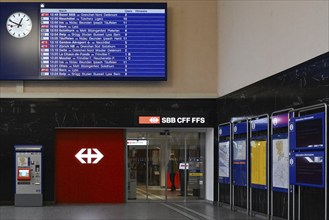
column 28, row 175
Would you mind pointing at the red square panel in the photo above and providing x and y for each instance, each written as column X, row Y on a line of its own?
column 90, row 165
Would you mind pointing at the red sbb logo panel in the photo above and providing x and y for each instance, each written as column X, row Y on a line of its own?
column 148, row 120
column 90, row 166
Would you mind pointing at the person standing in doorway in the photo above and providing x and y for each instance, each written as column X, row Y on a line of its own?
column 172, row 169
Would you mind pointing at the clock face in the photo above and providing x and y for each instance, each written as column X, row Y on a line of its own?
column 19, row 25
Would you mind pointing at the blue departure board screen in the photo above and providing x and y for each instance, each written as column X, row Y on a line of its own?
column 87, row 41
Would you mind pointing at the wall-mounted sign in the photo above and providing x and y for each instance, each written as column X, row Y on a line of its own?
column 90, row 165
column 163, row 120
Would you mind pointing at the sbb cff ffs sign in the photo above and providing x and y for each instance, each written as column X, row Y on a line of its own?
column 170, row 120
column 183, row 120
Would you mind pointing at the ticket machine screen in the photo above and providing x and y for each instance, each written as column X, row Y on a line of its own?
column 24, row 174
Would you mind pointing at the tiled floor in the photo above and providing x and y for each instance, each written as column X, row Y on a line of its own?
column 131, row 210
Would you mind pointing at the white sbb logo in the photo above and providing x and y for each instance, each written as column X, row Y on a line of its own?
column 154, row 120
column 81, row 156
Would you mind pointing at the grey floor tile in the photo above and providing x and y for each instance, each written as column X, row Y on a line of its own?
column 128, row 211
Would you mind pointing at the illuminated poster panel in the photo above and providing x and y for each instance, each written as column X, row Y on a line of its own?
column 258, row 162
column 240, row 162
column 224, row 159
column 280, row 167
column 239, row 150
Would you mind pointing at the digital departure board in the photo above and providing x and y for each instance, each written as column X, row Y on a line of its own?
column 87, row 41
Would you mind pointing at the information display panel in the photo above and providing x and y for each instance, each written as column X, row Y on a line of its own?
column 258, row 162
column 86, row 41
column 307, row 168
column 307, row 132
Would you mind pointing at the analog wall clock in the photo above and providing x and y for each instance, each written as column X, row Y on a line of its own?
column 19, row 25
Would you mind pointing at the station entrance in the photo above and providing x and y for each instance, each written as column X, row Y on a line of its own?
column 165, row 165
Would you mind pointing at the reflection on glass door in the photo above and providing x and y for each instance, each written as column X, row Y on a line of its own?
column 136, row 172
column 156, row 156
column 195, row 150
column 165, row 165
column 188, row 148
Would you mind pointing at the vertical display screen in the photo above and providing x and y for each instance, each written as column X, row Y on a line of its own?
column 309, row 133
column 309, row 170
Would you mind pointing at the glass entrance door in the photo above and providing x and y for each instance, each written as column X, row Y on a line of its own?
column 188, row 148
column 146, row 165
column 165, row 165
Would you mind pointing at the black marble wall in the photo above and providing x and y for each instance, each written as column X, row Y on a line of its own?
column 33, row 121
column 303, row 85
column 300, row 86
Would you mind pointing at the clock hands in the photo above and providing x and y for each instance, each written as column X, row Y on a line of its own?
column 13, row 22
column 18, row 24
